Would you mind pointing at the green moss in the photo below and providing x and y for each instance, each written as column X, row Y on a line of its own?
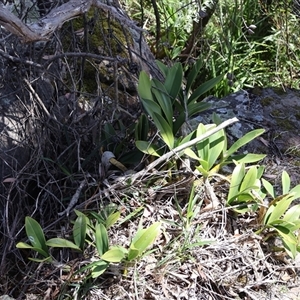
column 297, row 114
column 95, row 33
column 266, row 101
column 276, row 113
column 285, row 124
column 282, row 122
column 257, row 91
column 279, row 90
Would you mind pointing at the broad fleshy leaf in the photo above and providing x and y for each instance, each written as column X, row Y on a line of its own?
column 248, row 137
column 279, row 208
column 205, row 87
column 236, row 179
column 144, row 86
column 61, row 243
column 148, row 148
column 269, row 188
column 112, row 219
column 196, row 108
column 98, row 268
column 293, row 214
column 165, row 130
column 101, row 238
column 286, row 182
column 249, row 180
column 35, row 234
column 193, row 74
column 174, row 80
column 79, row 231
column 22, row 245
column 163, row 99
column 114, row 255
column 145, row 237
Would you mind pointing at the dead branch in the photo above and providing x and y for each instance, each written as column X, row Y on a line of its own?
column 44, row 28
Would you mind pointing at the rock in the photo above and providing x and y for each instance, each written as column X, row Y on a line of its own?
column 277, row 111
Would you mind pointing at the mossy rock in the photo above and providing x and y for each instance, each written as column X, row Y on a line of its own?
column 266, row 101
column 98, row 33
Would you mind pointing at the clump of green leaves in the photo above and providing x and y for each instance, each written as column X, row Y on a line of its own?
column 39, row 243
column 91, row 231
column 282, row 218
column 245, row 188
column 169, row 105
column 212, row 153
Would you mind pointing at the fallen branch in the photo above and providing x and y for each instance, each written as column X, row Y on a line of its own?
column 180, row 148
column 45, row 27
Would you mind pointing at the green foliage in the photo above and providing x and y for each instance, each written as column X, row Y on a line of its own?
column 169, row 23
column 39, row 244
column 245, row 188
column 91, row 230
column 212, row 153
column 163, row 101
column 282, row 217
column 143, row 238
column 255, row 42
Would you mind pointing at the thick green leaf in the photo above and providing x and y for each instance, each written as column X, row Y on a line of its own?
column 35, row 234
column 203, row 170
column 133, row 253
column 151, row 107
column 98, row 268
column 196, row 108
column 177, row 125
column 248, row 137
column 286, row 182
column 293, row 226
column 269, row 187
column 165, row 130
column 260, row 171
column 296, row 191
column 245, row 158
column 216, row 146
column 173, row 80
column 186, row 139
column 193, row 74
column 285, row 234
column 163, row 99
column 101, row 239
column 22, row 245
column 210, row 149
column 148, row 148
column 163, row 68
column 79, row 231
column 142, row 128
column 61, row 243
column 249, row 179
column 37, row 260
column 114, row 255
column 203, row 146
column 189, row 152
column 112, row 219
column 290, row 248
column 279, row 208
column 236, row 179
column 205, row 87
column 145, row 237
column 293, row 214
column 144, row 86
